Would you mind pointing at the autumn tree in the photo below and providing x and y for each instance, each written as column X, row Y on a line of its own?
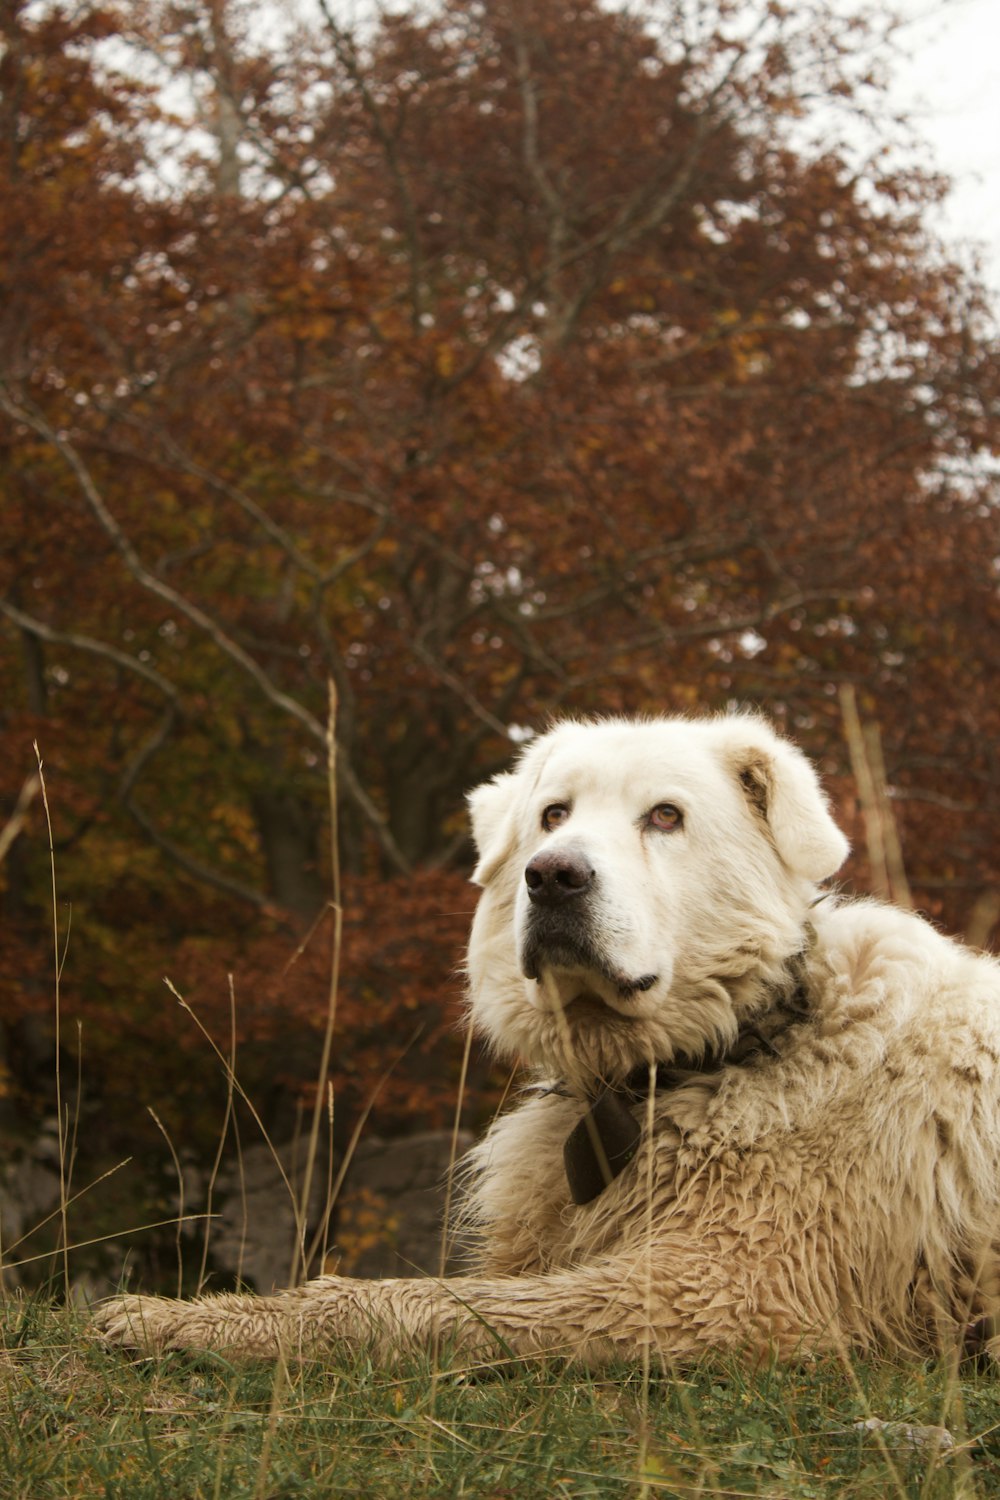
column 490, row 361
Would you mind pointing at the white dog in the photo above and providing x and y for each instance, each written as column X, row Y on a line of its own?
column 762, row 1119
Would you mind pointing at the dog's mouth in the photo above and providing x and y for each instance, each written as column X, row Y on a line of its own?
column 589, row 1005
column 624, row 989
column 583, row 998
column 572, row 972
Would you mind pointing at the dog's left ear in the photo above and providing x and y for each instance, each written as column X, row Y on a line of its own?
column 491, row 810
column 782, row 786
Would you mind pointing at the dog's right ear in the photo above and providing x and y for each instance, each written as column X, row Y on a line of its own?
column 491, row 809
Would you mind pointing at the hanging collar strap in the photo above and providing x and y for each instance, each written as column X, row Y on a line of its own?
column 602, row 1143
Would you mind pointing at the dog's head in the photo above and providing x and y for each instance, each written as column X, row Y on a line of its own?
column 644, row 884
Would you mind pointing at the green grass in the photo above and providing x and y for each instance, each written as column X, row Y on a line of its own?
column 78, row 1420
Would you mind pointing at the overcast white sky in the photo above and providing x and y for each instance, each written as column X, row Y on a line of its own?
column 951, row 86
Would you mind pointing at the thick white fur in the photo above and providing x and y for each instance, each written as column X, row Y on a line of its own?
column 841, row 1184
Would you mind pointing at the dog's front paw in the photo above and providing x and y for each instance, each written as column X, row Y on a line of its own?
column 146, row 1324
column 230, row 1323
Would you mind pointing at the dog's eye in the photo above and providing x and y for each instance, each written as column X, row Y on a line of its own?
column 554, row 814
column 666, row 817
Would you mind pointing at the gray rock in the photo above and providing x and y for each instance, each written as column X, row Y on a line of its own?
column 391, row 1211
column 254, row 1235
column 29, row 1194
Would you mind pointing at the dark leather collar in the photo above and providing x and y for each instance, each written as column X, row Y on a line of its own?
column 602, row 1143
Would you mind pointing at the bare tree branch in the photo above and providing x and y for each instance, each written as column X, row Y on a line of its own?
column 194, row 867
column 204, row 622
column 346, row 52
column 15, row 823
column 87, row 643
column 139, row 761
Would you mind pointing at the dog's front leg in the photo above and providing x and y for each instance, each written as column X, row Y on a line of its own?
column 590, row 1313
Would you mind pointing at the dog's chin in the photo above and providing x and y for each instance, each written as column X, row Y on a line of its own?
column 577, row 1027
column 583, row 995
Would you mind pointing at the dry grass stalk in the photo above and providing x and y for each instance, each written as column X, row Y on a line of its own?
column 213, row 1175
column 300, row 1266
column 180, row 1196
column 59, row 959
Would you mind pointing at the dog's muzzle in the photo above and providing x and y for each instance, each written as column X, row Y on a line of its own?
column 559, row 930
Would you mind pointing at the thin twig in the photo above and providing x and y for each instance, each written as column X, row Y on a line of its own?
column 61, row 1128
column 102, row 1239
column 895, row 869
column 44, row 632
column 865, row 783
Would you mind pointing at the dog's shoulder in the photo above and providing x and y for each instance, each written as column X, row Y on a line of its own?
column 877, row 963
column 893, row 1013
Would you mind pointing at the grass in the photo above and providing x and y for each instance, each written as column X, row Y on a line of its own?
column 79, row 1421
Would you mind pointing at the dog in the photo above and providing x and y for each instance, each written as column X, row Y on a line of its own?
column 760, row 1119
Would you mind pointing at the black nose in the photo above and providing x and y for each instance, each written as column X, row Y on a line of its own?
column 556, row 874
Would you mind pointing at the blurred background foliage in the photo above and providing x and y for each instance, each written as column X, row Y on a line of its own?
column 492, row 361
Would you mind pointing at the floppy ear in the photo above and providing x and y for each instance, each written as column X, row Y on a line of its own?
column 491, row 809
column 782, row 785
